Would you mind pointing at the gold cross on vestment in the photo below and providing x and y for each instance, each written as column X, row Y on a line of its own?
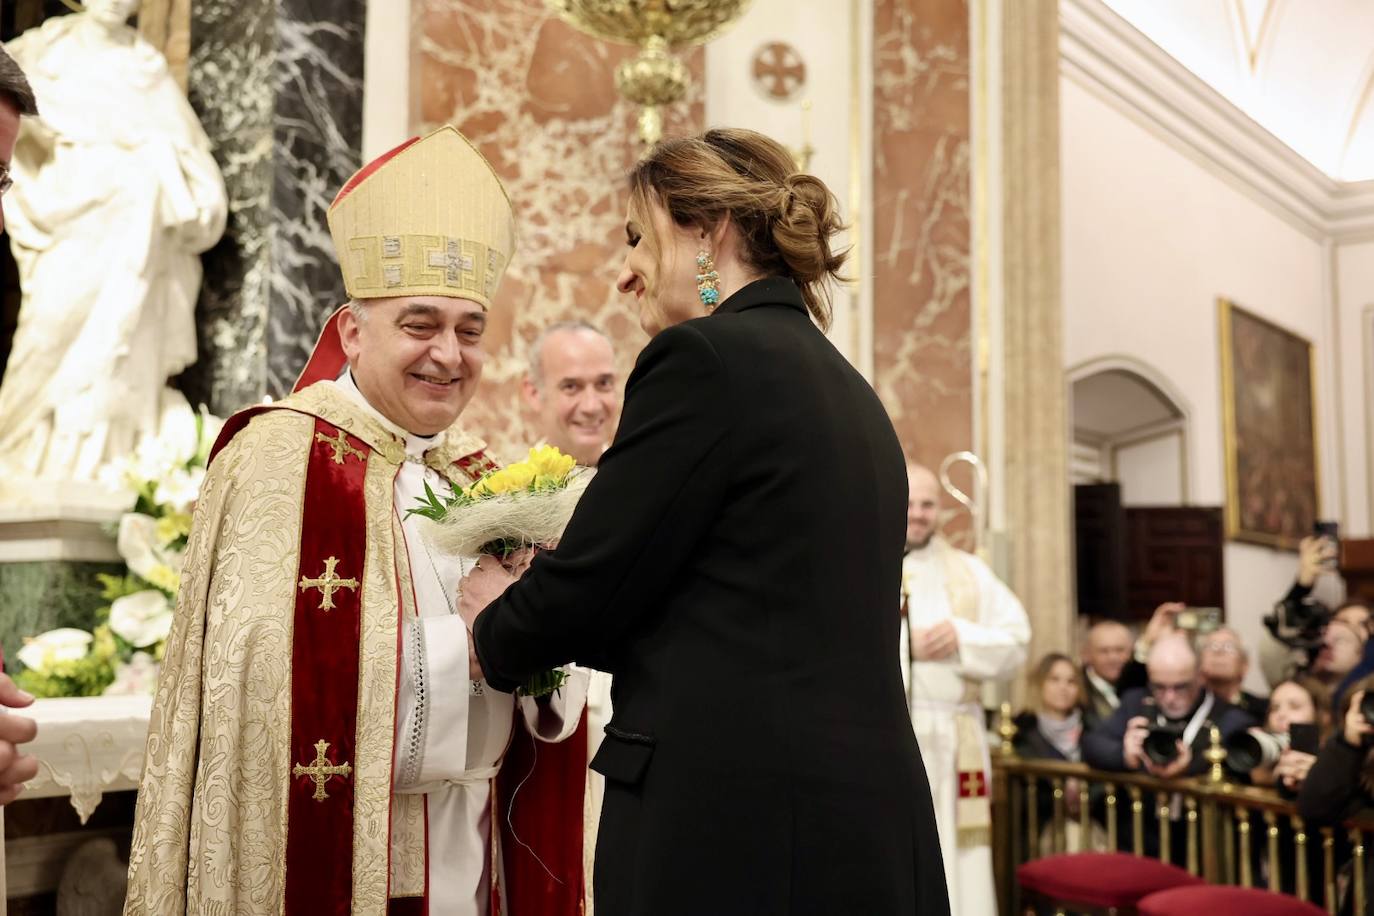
column 340, row 445
column 973, row 785
column 328, row 584
column 321, row 770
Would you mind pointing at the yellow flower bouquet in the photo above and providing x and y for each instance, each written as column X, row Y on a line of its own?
column 522, row 505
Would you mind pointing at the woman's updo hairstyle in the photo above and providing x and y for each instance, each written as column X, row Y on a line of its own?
column 785, row 218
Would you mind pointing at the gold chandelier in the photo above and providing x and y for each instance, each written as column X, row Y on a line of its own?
column 654, row 78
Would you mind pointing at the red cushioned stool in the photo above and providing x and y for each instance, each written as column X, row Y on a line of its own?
column 1218, row 899
column 1098, row 882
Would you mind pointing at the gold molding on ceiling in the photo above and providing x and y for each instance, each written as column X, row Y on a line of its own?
column 1363, row 97
column 1253, row 46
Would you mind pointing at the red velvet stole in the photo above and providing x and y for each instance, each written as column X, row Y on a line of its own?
column 324, row 676
column 547, row 816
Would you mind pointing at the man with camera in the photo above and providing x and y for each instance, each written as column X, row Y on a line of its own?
column 1163, row 729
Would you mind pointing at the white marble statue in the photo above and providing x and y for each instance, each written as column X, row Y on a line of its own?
column 115, row 196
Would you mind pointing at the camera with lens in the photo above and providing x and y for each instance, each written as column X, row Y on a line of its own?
column 1161, row 742
column 1254, row 748
column 1299, row 623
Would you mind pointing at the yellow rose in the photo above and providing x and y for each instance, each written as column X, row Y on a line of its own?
column 521, row 475
column 550, row 462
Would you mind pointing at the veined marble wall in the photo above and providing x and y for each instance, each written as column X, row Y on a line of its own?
column 278, row 85
column 538, row 99
column 921, row 234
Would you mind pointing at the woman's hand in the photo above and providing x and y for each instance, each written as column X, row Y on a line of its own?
column 1356, row 726
column 1292, row 768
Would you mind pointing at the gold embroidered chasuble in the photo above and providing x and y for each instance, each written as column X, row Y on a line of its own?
column 211, row 830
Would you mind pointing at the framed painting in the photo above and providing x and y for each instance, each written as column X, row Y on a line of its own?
column 1269, row 415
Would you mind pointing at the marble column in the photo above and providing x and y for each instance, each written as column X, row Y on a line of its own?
column 921, row 227
column 278, row 85
column 1035, row 426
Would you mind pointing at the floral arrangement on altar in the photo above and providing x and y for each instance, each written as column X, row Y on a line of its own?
column 120, row 656
column 520, row 506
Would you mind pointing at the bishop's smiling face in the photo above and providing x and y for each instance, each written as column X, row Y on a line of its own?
column 416, row 359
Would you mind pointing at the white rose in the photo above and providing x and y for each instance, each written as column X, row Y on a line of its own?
column 140, row 547
column 137, row 677
column 62, row 645
column 179, row 489
column 142, row 619
column 176, row 432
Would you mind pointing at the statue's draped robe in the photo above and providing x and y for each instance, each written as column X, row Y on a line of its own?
column 115, row 196
column 258, row 673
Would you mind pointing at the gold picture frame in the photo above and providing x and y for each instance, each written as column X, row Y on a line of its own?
column 1269, row 408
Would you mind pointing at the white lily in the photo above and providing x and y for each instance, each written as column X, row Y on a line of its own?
column 141, row 548
column 179, row 489
column 66, row 644
column 137, row 677
column 142, row 619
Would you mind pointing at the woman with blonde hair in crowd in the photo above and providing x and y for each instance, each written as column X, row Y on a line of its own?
column 1051, row 728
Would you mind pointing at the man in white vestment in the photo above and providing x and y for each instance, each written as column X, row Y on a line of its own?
column 574, row 389
column 317, row 744
column 963, row 627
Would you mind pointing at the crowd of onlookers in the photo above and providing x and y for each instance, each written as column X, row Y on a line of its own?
column 1147, row 704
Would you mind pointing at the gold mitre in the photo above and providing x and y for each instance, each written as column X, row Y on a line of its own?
column 429, row 218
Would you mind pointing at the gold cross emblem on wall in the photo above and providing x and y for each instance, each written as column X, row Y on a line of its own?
column 321, row 770
column 340, row 445
column 328, row 584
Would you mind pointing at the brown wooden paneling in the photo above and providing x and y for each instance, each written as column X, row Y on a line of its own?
column 1173, row 554
column 1100, row 550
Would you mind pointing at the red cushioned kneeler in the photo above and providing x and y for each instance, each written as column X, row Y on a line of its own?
column 1186, row 901
column 1106, row 880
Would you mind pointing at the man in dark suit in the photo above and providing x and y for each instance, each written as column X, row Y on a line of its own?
column 1106, row 657
column 736, row 565
column 1174, row 698
column 1224, row 662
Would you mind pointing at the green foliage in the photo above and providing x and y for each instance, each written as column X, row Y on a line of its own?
column 84, row 677
column 435, row 508
column 544, row 683
column 115, row 587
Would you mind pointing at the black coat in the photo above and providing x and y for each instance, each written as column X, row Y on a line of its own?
column 735, row 564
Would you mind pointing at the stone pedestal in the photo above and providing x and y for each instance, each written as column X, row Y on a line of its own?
column 49, row 558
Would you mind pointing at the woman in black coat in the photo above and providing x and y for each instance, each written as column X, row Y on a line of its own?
column 735, row 564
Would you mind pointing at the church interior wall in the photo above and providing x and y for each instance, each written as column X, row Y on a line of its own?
column 1151, row 239
column 922, row 313
column 817, row 121
column 539, row 99
column 1354, row 289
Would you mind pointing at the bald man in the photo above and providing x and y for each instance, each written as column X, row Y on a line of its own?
column 964, row 627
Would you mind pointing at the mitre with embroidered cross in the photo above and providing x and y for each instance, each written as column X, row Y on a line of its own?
column 428, row 218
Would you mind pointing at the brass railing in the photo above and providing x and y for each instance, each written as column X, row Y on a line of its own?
column 1218, row 821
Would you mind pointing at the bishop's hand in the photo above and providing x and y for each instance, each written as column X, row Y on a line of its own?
column 487, row 582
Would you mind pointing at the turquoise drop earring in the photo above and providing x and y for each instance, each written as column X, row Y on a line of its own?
column 707, row 280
